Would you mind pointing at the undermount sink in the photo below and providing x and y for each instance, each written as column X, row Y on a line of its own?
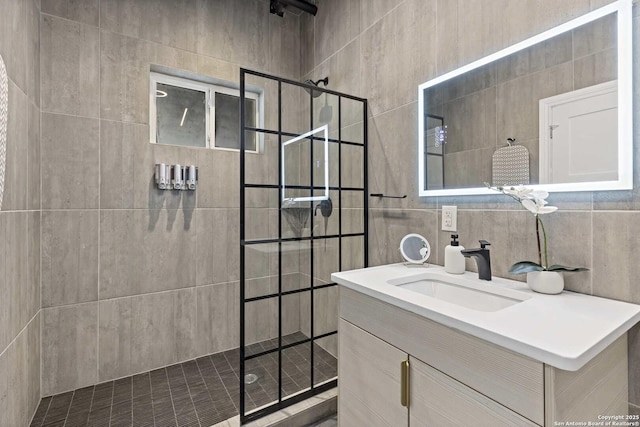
column 473, row 294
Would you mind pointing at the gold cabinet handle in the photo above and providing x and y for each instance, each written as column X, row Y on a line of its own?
column 404, row 383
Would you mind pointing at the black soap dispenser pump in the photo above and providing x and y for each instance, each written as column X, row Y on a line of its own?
column 453, row 258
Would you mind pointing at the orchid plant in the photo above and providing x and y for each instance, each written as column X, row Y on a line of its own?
column 535, row 202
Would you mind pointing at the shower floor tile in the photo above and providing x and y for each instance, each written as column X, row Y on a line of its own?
column 199, row 392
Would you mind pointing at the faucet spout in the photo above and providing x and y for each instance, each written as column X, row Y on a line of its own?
column 483, row 259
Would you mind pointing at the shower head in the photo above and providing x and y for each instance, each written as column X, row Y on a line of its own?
column 277, row 7
column 312, row 92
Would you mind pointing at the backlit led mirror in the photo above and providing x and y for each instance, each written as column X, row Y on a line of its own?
column 554, row 110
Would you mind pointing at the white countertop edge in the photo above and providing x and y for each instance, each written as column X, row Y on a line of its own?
column 540, row 354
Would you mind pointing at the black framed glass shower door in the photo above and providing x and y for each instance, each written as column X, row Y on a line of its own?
column 303, row 216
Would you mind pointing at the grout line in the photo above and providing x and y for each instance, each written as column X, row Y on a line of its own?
column 206, row 386
column 113, row 392
column 352, row 39
column 93, row 394
column 69, row 408
column 40, row 183
column 186, row 381
column 18, row 334
column 99, row 199
column 56, row 113
column 591, row 256
column 20, row 211
column 237, row 378
column 132, row 396
column 44, row 417
column 175, row 416
column 373, row 116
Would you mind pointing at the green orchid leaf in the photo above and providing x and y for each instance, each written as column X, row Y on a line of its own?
column 525, row 267
column 557, row 267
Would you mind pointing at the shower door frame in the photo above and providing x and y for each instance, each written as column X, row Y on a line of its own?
column 313, row 389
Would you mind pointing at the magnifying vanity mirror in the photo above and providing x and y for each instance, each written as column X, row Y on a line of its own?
column 554, row 111
column 415, row 249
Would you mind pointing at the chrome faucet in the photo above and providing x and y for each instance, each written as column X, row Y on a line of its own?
column 483, row 259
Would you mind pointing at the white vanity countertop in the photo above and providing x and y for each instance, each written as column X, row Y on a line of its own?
column 564, row 331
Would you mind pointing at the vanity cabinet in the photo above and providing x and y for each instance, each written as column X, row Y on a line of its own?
column 369, row 380
column 457, row 379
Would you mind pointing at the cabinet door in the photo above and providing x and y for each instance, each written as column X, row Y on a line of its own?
column 369, row 380
column 438, row 400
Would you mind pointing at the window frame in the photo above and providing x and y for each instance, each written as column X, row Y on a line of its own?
column 209, row 89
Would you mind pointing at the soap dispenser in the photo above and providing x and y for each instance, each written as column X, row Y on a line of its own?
column 453, row 258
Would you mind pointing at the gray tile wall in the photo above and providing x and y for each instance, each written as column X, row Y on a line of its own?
column 135, row 278
column 393, row 47
column 20, row 216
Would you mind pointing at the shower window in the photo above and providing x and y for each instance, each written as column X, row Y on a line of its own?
column 195, row 113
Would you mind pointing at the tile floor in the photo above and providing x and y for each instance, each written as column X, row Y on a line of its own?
column 196, row 393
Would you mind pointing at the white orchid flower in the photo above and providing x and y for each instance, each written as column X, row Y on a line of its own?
column 539, row 195
column 520, row 192
column 538, row 206
column 535, row 202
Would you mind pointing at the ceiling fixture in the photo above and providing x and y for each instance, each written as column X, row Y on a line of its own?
column 160, row 93
column 277, row 7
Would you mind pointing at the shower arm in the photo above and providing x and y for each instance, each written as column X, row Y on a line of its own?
column 324, row 81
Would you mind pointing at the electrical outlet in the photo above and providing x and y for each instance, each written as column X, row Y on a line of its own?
column 449, row 218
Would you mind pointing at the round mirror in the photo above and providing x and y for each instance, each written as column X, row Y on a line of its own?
column 415, row 248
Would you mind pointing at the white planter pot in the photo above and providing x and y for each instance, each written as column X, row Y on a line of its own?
column 546, row 282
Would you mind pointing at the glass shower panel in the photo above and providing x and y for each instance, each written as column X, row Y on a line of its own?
column 352, row 166
column 325, row 112
column 352, row 121
column 352, row 212
column 296, row 370
column 326, row 260
column 258, row 260
column 261, row 319
column 261, row 382
column 268, row 102
column 300, row 170
column 334, row 164
column 325, row 310
column 325, row 219
column 262, row 167
column 325, row 359
column 295, row 171
column 294, row 114
column 292, row 241
column 353, row 256
column 261, row 221
column 295, row 316
column 296, row 280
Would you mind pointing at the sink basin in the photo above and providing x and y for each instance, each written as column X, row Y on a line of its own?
column 468, row 293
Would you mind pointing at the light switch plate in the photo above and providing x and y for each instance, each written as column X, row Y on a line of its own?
column 449, row 218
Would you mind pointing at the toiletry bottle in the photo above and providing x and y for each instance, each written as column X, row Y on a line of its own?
column 453, row 258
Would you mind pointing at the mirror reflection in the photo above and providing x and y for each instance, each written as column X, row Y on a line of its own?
column 545, row 114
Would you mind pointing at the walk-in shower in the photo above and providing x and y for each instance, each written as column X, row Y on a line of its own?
column 269, row 339
column 302, row 217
